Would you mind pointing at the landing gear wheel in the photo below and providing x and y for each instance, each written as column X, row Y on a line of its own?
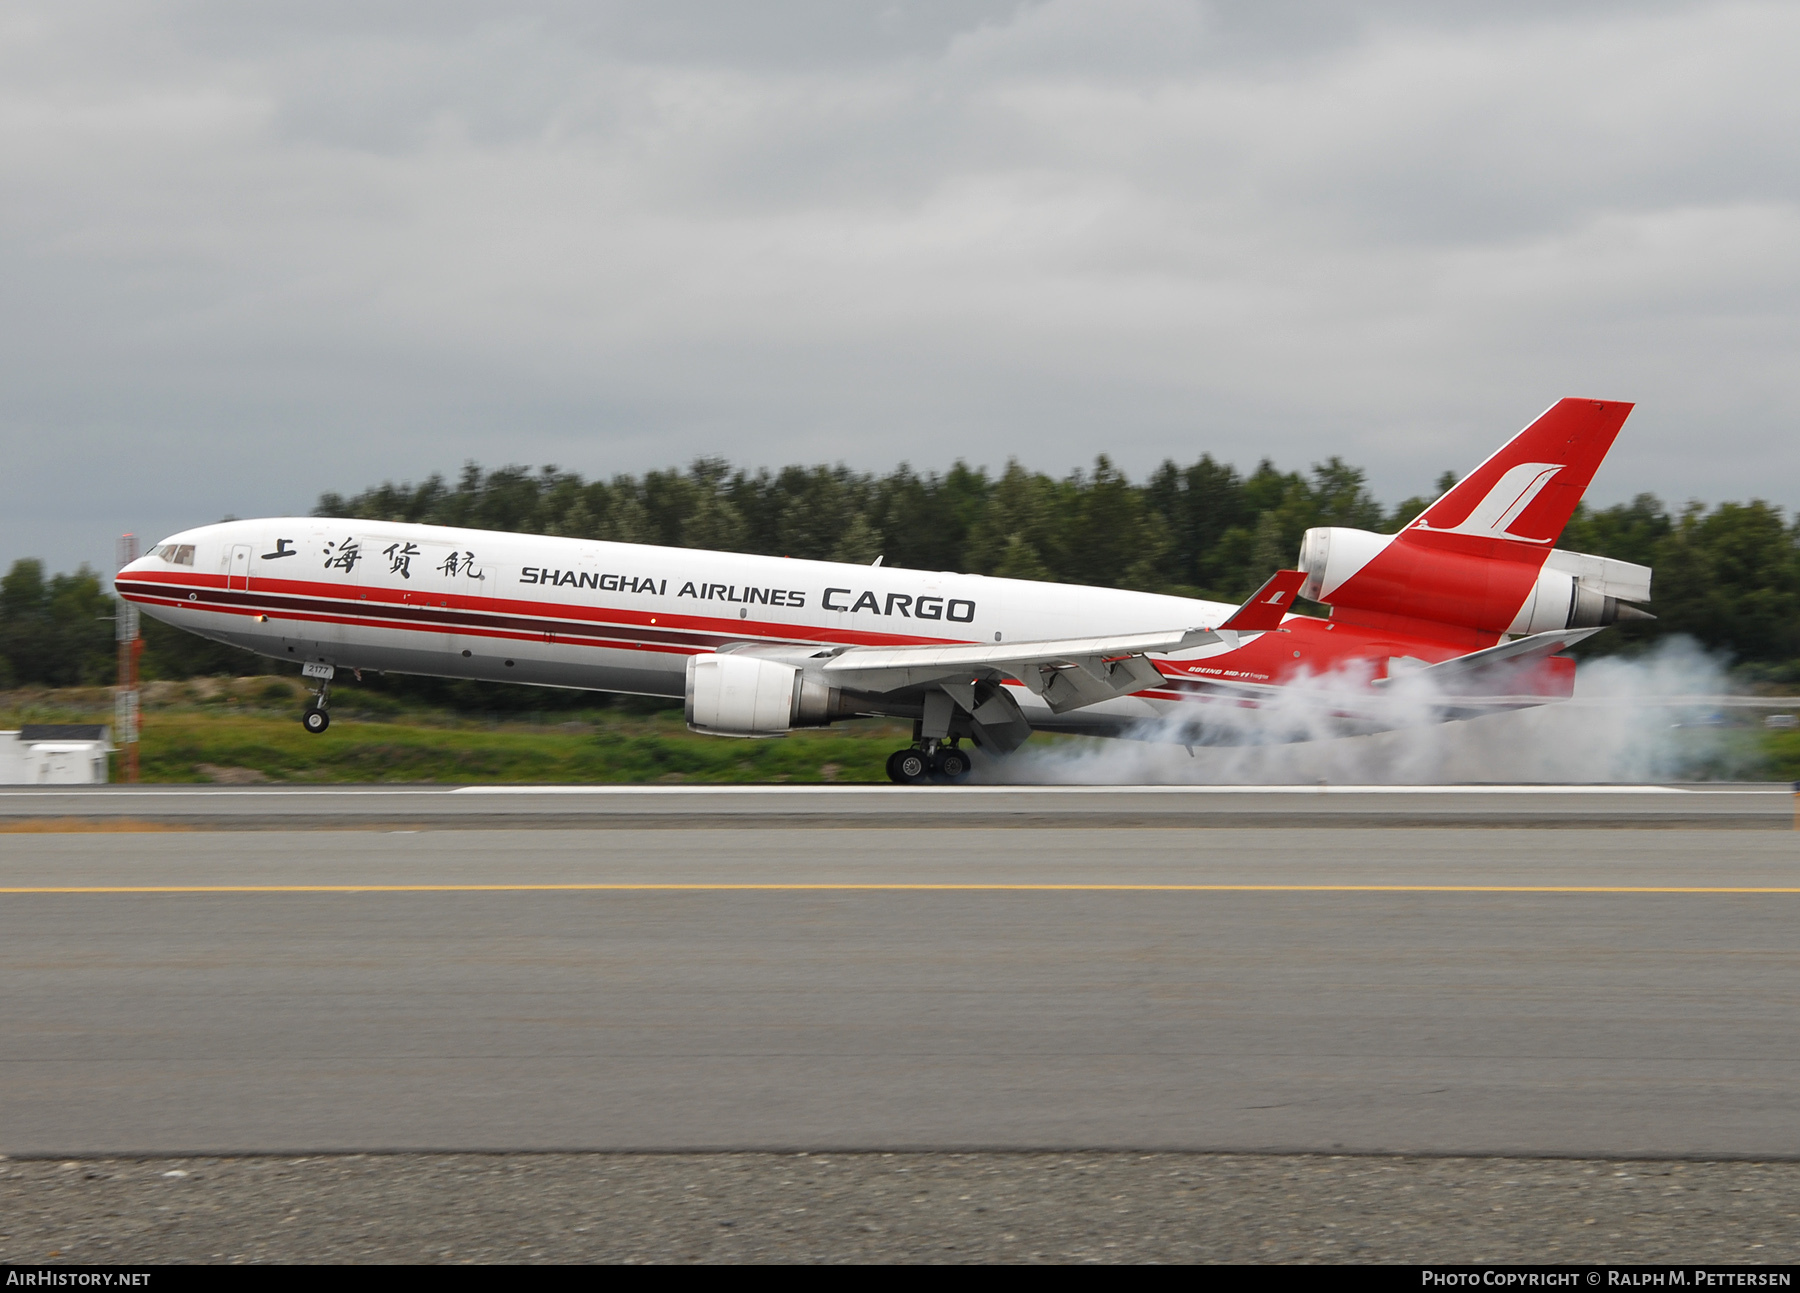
column 951, row 765
column 908, row 767
column 315, row 720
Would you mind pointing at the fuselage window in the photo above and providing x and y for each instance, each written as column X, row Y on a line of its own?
column 177, row 554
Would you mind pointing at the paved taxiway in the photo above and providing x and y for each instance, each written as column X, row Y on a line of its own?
column 1421, row 990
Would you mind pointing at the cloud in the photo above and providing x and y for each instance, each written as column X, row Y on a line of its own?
column 249, row 255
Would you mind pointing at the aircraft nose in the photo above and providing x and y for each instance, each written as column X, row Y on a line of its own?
column 148, row 564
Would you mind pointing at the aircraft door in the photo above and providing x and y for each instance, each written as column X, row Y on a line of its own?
column 237, row 574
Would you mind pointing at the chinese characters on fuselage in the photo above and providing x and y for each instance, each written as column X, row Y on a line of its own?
column 460, row 563
column 343, row 555
column 400, row 557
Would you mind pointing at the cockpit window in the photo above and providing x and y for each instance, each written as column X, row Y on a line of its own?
column 176, row 554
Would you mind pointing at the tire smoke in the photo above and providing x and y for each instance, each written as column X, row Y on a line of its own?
column 1649, row 718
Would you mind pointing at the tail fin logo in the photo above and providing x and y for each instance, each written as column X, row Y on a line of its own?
column 1506, row 501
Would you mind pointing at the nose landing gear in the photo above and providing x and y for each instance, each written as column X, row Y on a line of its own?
column 929, row 761
column 314, row 717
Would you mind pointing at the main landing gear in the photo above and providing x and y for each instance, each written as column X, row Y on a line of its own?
column 929, row 761
column 314, row 717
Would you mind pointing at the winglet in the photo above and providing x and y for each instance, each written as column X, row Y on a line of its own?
column 1264, row 609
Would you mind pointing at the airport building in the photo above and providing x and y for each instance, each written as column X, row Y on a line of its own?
column 55, row 754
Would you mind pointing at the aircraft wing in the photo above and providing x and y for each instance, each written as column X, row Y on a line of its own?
column 1067, row 672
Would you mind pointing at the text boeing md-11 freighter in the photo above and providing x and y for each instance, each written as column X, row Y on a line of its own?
column 1471, row 601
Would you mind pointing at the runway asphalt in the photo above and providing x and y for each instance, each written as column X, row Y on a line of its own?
column 1536, row 991
column 1708, row 805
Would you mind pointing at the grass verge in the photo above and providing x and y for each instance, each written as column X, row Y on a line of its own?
column 242, row 730
column 245, row 730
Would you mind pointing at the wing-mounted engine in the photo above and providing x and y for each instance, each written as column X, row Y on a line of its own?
column 735, row 694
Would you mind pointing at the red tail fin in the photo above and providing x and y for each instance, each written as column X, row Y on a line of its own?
column 1266, row 606
column 1468, row 563
column 1526, row 492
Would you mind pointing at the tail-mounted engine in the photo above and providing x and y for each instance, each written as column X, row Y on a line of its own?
column 1576, row 591
column 746, row 695
column 1570, row 590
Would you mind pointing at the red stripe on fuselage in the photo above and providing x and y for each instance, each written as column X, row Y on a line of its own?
column 1270, row 659
column 465, row 615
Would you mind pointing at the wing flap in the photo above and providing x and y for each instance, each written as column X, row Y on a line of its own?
column 1478, row 671
column 1067, row 672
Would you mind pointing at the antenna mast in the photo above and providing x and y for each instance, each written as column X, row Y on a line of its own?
column 125, row 703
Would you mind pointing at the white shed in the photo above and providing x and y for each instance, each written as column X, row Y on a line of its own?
column 55, row 754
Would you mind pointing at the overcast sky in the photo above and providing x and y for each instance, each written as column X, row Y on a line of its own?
column 253, row 252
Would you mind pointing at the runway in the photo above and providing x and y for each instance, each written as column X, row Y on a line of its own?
column 1706, row 805
column 1267, row 987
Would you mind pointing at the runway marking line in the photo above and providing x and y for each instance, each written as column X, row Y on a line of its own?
column 884, row 887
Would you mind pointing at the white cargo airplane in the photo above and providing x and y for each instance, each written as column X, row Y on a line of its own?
column 1471, row 596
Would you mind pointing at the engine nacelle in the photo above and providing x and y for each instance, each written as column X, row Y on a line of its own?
column 1561, row 600
column 746, row 695
column 1330, row 555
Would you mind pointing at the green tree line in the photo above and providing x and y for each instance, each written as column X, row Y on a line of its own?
column 1728, row 575
column 60, row 632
